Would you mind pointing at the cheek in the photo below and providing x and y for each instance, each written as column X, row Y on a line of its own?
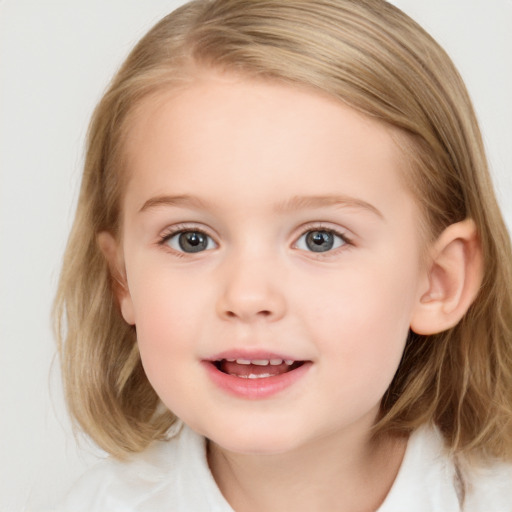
column 363, row 323
column 167, row 327
column 168, row 310
column 174, row 313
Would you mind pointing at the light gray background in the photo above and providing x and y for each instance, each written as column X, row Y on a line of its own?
column 56, row 58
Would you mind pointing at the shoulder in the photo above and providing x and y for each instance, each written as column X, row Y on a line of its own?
column 170, row 475
column 489, row 488
column 429, row 480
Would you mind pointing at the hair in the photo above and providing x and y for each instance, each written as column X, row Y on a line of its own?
column 374, row 58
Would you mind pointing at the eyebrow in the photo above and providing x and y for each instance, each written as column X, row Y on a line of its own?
column 182, row 200
column 292, row 204
column 301, row 202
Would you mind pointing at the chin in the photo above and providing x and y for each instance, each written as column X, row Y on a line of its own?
column 262, row 443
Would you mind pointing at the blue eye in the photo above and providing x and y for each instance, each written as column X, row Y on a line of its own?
column 320, row 240
column 190, row 241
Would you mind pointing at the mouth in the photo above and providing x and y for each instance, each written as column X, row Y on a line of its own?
column 257, row 375
column 256, row 368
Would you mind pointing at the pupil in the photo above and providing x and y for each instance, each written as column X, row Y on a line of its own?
column 193, row 241
column 320, row 241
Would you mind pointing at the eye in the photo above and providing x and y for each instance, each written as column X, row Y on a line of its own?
column 190, row 241
column 320, row 240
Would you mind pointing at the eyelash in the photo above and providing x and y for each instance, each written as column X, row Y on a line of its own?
column 346, row 240
column 178, row 230
column 183, row 228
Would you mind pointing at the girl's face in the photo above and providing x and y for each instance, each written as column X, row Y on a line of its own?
column 272, row 256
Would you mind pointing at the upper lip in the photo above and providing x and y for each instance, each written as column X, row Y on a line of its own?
column 252, row 355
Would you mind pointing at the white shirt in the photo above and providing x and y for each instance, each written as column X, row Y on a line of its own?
column 174, row 475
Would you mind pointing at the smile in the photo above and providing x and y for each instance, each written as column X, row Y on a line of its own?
column 256, row 368
column 255, row 377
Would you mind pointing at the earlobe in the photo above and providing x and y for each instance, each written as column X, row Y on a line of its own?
column 453, row 278
column 111, row 251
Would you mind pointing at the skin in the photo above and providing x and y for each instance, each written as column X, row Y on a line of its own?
column 242, row 152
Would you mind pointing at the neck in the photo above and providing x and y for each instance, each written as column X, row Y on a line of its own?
column 337, row 474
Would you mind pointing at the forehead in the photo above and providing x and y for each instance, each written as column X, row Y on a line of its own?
column 263, row 141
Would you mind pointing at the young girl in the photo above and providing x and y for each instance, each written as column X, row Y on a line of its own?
column 288, row 284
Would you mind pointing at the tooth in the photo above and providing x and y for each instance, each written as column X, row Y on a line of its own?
column 243, row 361
column 230, row 360
column 260, row 362
column 253, row 376
column 276, row 362
column 289, row 362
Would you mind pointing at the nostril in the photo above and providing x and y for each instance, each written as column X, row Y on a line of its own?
column 264, row 313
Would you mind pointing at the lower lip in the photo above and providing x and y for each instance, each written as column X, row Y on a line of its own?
column 255, row 388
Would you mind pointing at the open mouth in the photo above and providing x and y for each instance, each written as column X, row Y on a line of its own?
column 256, row 368
column 256, row 376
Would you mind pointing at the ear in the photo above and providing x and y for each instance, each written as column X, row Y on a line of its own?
column 113, row 254
column 453, row 278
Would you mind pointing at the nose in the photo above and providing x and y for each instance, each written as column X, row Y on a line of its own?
column 251, row 291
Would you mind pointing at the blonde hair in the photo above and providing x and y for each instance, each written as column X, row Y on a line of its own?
column 371, row 56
